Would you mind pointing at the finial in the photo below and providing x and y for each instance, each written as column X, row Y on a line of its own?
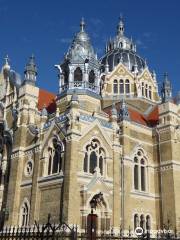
column 120, row 27
column 82, row 24
column 145, row 63
column 6, row 60
column 166, row 76
column 6, row 64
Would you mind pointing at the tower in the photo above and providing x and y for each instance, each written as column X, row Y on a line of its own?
column 30, row 71
column 80, row 68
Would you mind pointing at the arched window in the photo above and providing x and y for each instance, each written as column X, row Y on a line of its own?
column 78, row 75
column 92, row 77
column 146, row 91
column 94, row 159
column 115, row 86
column 121, row 45
column 150, row 92
column 136, row 174
column 148, row 222
column 142, row 89
column 55, row 158
column 140, row 171
column 142, row 222
column 127, row 86
column 24, row 213
column 136, row 221
column 121, row 86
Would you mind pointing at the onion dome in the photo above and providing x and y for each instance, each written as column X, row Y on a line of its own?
column 81, row 48
column 122, row 49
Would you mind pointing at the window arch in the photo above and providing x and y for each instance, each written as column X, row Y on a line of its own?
column 140, row 171
column 78, row 74
column 55, row 157
column 24, row 213
column 121, row 86
column 127, row 86
column 94, row 159
column 115, row 86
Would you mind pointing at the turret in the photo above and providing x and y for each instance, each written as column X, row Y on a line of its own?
column 30, row 72
column 80, row 68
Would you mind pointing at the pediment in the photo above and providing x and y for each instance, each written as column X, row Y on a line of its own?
column 119, row 70
column 52, row 131
column 96, row 130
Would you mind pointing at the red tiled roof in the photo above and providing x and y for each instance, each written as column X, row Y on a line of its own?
column 153, row 117
column 135, row 116
column 46, row 99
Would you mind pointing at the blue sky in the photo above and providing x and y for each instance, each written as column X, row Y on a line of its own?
column 46, row 28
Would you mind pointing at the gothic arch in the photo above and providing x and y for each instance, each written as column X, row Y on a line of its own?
column 53, row 156
column 24, row 213
column 94, row 158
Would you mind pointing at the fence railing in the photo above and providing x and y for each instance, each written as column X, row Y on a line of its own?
column 50, row 231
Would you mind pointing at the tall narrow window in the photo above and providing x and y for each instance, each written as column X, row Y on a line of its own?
column 143, row 180
column 94, row 158
column 142, row 222
column 115, row 86
column 136, row 174
column 136, row 221
column 121, row 86
column 142, row 89
column 148, row 222
column 78, row 75
column 150, row 92
column 127, row 86
column 55, row 158
column 24, row 214
column 93, row 162
column 146, row 91
column 140, row 169
column 91, row 77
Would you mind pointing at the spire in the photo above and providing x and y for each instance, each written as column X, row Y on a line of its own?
column 30, row 71
column 166, row 90
column 120, row 27
column 82, row 24
column 124, row 114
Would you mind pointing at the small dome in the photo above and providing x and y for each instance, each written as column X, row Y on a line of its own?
column 81, row 47
column 122, row 49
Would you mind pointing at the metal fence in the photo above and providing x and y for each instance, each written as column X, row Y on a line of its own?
column 62, row 231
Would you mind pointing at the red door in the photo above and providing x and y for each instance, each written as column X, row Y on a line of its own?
column 91, row 226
